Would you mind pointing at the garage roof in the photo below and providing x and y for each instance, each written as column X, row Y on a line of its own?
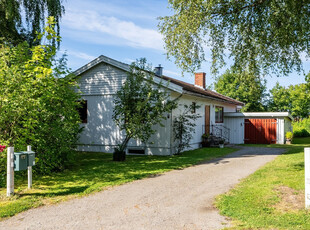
column 260, row 115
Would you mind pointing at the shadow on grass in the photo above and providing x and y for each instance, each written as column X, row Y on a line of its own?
column 61, row 192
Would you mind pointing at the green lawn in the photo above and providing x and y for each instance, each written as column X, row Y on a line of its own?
column 301, row 140
column 272, row 197
column 94, row 172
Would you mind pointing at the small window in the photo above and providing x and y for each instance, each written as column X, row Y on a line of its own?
column 136, row 151
column 193, row 107
column 83, row 111
column 219, row 112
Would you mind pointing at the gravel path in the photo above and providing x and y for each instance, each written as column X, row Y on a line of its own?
column 180, row 199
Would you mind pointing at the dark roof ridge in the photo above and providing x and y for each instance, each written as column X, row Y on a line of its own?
column 200, row 90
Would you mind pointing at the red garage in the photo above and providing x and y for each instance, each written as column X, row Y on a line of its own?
column 258, row 128
column 260, row 131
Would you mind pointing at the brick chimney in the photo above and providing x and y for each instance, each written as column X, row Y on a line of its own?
column 200, row 80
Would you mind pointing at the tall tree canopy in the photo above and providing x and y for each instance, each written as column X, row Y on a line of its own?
column 21, row 20
column 244, row 87
column 267, row 35
column 294, row 99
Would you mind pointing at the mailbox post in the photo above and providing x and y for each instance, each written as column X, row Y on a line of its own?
column 29, row 169
column 19, row 161
column 307, row 178
column 10, row 172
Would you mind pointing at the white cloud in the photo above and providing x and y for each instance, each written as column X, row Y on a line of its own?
column 304, row 57
column 169, row 73
column 128, row 60
column 78, row 54
column 103, row 29
column 81, row 55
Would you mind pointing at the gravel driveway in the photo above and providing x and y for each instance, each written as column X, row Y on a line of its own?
column 180, row 199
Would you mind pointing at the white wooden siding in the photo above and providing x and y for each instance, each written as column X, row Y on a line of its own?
column 200, row 122
column 236, row 126
column 102, row 134
column 284, row 126
column 102, row 79
column 280, row 131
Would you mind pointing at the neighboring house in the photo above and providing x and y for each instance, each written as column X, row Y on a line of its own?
column 99, row 81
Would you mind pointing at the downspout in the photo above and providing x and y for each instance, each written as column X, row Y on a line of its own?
column 171, row 134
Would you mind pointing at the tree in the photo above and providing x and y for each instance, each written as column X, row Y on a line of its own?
column 300, row 100
column 38, row 105
column 245, row 87
column 307, row 79
column 280, row 99
column 22, row 20
column 183, row 127
column 294, row 99
column 140, row 104
column 264, row 35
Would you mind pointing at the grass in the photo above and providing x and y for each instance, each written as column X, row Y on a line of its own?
column 301, row 140
column 272, row 197
column 93, row 172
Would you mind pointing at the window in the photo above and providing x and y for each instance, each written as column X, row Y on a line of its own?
column 219, row 112
column 136, row 151
column 193, row 107
column 83, row 111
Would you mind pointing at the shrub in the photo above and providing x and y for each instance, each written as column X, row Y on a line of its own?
column 184, row 127
column 302, row 124
column 38, row 104
column 289, row 135
column 301, row 133
column 205, row 137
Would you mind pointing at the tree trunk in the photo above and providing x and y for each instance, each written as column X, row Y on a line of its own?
column 119, row 153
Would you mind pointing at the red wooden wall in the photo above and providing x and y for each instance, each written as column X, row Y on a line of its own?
column 260, row 131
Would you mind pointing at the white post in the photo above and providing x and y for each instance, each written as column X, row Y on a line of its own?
column 307, row 178
column 29, row 170
column 10, row 172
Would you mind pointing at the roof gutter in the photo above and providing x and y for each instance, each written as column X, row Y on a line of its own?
column 211, row 98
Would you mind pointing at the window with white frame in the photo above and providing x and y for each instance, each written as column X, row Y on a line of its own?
column 219, row 114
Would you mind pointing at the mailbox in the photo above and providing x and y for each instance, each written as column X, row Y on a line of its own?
column 23, row 159
column 20, row 161
column 31, row 157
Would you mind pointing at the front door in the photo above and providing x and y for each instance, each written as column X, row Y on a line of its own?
column 207, row 119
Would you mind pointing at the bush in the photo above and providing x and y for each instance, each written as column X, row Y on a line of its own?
column 289, row 135
column 38, row 104
column 298, row 126
column 184, row 127
column 301, row 133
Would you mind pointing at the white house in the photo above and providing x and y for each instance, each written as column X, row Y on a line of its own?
column 99, row 81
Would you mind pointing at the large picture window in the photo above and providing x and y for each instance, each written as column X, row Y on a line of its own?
column 219, row 114
column 83, row 111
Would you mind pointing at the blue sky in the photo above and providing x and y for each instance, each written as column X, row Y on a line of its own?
column 126, row 30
